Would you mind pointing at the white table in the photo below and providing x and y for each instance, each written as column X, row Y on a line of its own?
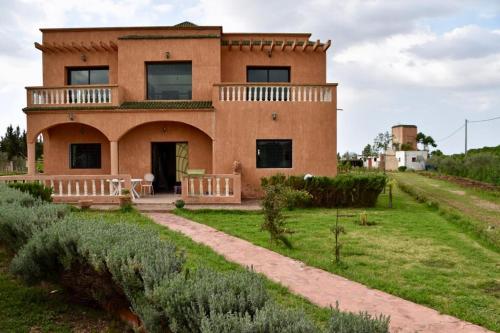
column 134, row 182
column 115, row 185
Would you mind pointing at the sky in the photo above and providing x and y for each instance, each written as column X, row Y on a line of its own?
column 423, row 62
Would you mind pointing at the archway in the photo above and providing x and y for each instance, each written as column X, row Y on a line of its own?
column 166, row 149
column 75, row 149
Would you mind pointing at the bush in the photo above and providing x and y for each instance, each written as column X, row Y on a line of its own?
column 37, row 190
column 186, row 300
column 402, row 168
column 346, row 190
column 348, row 322
column 179, row 204
column 273, row 203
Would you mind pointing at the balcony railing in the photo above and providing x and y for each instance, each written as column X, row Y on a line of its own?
column 275, row 92
column 88, row 95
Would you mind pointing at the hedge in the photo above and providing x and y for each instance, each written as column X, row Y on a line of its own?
column 35, row 189
column 122, row 266
column 345, row 190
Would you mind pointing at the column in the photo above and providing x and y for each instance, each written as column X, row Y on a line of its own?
column 31, row 158
column 114, row 157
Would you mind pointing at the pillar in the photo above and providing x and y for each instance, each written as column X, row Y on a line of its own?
column 114, row 157
column 31, row 158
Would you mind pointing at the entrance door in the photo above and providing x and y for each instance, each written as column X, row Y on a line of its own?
column 163, row 166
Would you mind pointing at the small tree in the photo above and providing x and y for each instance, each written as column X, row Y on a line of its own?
column 425, row 140
column 337, row 230
column 273, row 203
column 367, row 151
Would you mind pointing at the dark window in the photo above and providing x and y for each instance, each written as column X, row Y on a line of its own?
column 413, row 159
column 274, row 153
column 268, row 74
column 88, row 76
column 169, row 80
column 85, row 155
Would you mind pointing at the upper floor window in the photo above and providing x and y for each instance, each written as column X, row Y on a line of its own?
column 268, row 74
column 96, row 75
column 172, row 80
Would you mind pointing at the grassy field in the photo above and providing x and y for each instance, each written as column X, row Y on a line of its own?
column 475, row 209
column 412, row 252
column 198, row 255
column 36, row 309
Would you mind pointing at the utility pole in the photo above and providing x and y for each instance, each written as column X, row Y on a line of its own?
column 466, row 136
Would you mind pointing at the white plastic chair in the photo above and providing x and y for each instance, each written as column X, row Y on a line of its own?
column 148, row 184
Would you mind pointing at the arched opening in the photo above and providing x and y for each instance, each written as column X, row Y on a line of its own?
column 167, row 149
column 74, row 149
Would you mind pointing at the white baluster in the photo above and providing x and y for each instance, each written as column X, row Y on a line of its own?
column 239, row 93
column 233, row 93
column 93, row 187
column 200, row 181
column 227, row 186
column 250, row 93
column 66, row 91
column 110, row 96
column 209, row 186
column 315, row 94
column 272, row 93
column 69, row 188
column 60, row 188
column 102, row 186
column 191, row 186
column 265, row 93
column 98, row 95
column 110, row 186
column 85, row 187
column 52, row 185
column 217, row 186
column 221, row 89
column 119, row 187
column 77, row 188
column 310, row 94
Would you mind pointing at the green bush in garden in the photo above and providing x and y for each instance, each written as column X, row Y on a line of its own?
column 402, row 168
column 345, row 190
column 348, row 322
column 36, row 190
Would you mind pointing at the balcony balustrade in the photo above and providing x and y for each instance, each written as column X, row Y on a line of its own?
column 275, row 92
column 81, row 95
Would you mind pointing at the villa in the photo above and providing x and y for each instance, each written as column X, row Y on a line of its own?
column 206, row 112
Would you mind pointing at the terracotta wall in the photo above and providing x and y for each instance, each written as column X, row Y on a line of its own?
column 56, row 147
column 134, row 148
column 405, row 134
column 311, row 126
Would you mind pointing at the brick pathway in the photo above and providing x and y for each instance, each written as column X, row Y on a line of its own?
column 316, row 285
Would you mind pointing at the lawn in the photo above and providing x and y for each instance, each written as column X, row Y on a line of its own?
column 412, row 252
column 37, row 309
column 475, row 209
column 198, row 255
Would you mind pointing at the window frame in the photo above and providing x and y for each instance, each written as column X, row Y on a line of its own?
column 146, row 88
column 289, row 68
column 99, row 160
column 273, row 167
column 81, row 68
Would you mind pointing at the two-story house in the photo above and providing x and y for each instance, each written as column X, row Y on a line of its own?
column 165, row 100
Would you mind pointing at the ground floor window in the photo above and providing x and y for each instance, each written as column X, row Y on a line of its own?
column 85, row 155
column 274, row 153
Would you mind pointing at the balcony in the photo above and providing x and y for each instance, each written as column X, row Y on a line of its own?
column 275, row 92
column 75, row 95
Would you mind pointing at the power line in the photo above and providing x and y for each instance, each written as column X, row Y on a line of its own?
column 483, row 120
column 452, row 134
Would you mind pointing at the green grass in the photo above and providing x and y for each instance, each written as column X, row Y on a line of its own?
column 36, row 309
column 198, row 255
column 476, row 210
column 412, row 252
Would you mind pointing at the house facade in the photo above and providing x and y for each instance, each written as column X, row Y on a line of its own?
column 166, row 100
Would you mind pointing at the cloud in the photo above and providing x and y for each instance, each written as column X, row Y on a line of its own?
column 461, row 43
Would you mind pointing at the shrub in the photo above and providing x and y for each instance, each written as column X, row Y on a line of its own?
column 296, row 198
column 134, row 260
column 37, row 190
column 345, row 190
column 186, row 300
column 179, row 204
column 348, row 322
column 270, row 318
column 274, row 221
column 402, row 168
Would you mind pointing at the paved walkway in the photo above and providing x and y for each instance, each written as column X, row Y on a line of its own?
column 318, row 286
